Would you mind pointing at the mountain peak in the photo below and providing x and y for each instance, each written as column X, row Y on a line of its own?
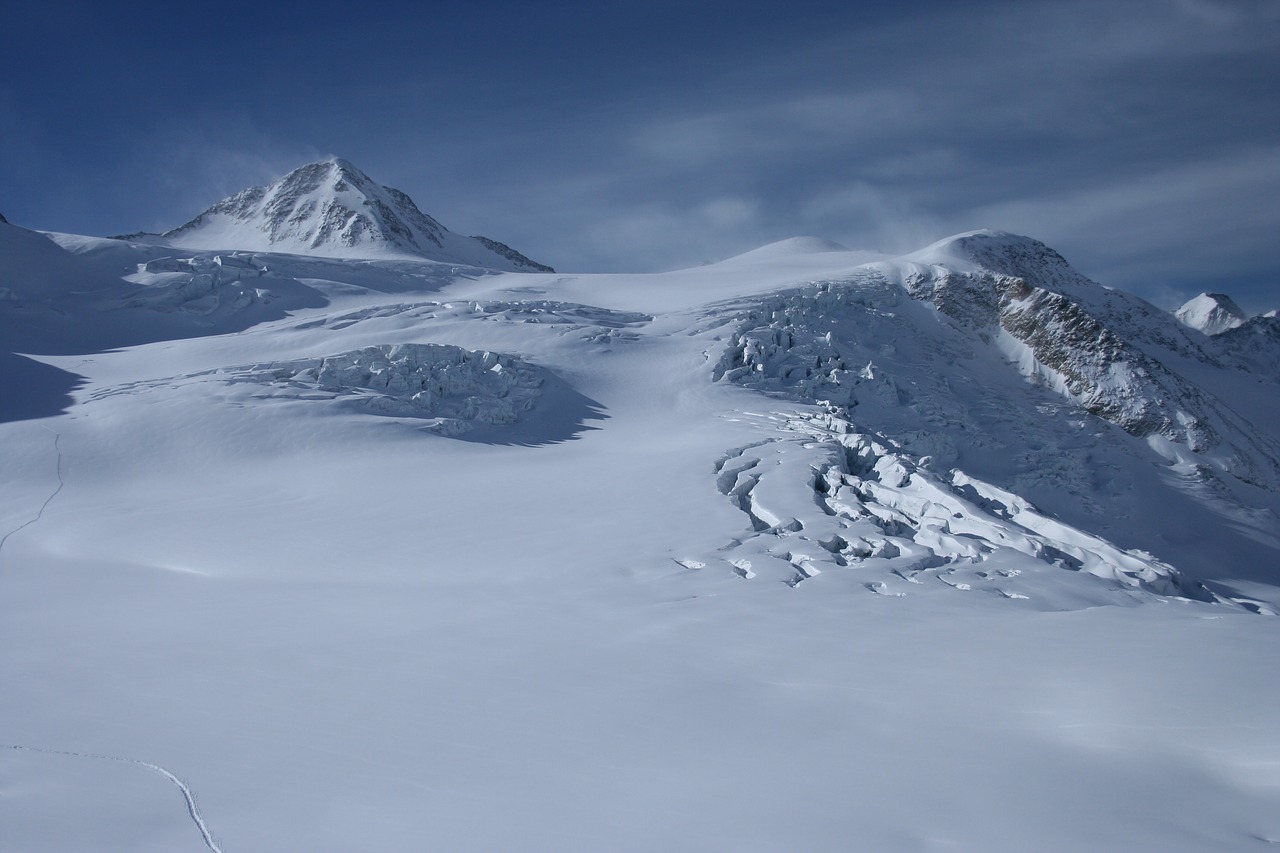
column 342, row 164
column 336, row 171
column 996, row 251
column 334, row 209
column 1211, row 313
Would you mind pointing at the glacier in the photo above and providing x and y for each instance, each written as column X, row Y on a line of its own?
column 336, row 538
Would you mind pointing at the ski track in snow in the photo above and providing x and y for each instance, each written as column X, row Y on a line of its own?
column 57, row 437
column 192, row 810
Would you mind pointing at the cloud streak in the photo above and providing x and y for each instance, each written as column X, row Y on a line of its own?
column 1136, row 137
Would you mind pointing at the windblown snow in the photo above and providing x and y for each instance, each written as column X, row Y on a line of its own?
column 334, row 530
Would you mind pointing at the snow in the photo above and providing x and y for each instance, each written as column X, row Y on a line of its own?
column 799, row 551
column 452, row 387
column 790, row 247
column 333, row 209
column 1211, row 313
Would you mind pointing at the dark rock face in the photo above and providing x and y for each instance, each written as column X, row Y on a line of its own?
column 1113, row 355
column 510, row 254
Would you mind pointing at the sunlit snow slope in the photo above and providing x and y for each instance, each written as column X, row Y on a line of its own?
column 333, row 209
column 810, row 549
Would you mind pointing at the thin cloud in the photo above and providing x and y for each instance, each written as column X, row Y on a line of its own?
column 200, row 162
column 1140, row 233
column 1074, row 120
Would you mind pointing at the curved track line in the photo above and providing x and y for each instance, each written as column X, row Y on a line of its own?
column 57, row 437
column 186, row 792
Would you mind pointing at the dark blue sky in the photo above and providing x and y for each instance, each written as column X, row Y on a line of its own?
column 1141, row 139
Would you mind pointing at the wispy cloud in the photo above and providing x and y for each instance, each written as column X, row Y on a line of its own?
column 200, row 160
column 688, row 133
column 1139, row 129
column 1166, row 233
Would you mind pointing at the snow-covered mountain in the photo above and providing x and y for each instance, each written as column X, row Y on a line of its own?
column 808, row 549
column 332, row 209
column 1211, row 313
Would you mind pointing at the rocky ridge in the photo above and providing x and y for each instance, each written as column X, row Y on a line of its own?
column 1114, row 356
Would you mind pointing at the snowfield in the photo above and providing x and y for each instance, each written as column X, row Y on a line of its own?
column 810, row 549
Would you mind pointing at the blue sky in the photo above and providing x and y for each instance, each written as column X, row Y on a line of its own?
column 1141, row 139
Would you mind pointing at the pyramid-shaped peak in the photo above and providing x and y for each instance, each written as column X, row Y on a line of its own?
column 342, row 164
column 1211, row 313
column 339, row 169
column 335, row 176
column 332, row 163
column 334, row 209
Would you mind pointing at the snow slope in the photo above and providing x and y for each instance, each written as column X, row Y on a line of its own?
column 1211, row 313
column 808, row 550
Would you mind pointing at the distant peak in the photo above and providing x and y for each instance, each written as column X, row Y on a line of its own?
column 334, row 209
column 1211, row 313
